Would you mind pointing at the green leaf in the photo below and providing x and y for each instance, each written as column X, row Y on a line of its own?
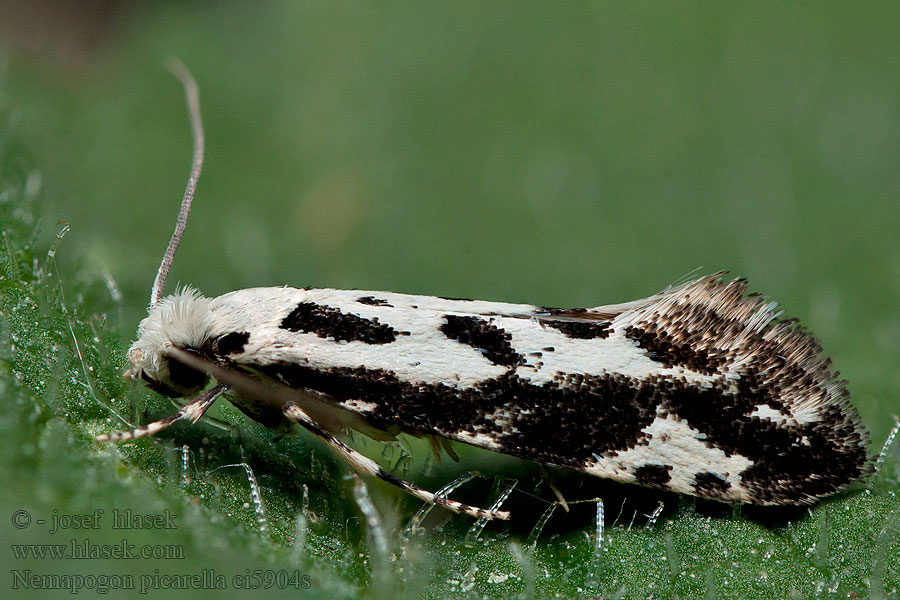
column 516, row 155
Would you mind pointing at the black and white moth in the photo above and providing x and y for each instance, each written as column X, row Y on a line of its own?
column 698, row 389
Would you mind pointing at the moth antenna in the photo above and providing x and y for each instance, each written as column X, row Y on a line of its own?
column 192, row 96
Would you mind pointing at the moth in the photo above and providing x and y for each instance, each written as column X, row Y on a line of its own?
column 699, row 389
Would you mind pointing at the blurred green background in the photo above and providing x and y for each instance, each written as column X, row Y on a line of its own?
column 560, row 154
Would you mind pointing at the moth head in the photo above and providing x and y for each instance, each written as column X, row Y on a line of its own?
column 181, row 320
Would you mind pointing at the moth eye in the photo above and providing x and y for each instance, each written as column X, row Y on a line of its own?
column 186, row 378
column 159, row 387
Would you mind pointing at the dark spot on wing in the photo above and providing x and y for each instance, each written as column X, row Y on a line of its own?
column 230, row 343
column 373, row 301
column 582, row 330
column 564, row 424
column 327, row 322
column 711, row 485
column 653, row 475
column 831, row 455
column 455, row 299
column 663, row 349
column 479, row 333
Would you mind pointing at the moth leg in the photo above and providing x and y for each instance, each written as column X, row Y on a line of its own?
column 561, row 500
column 192, row 411
column 366, row 466
column 438, row 444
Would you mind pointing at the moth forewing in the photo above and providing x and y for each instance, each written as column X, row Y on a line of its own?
column 698, row 389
